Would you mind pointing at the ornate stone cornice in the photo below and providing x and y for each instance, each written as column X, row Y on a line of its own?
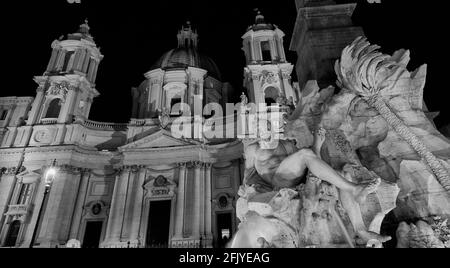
column 130, row 168
column 72, row 169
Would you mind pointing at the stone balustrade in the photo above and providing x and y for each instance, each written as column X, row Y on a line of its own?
column 104, row 126
column 143, row 122
column 49, row 121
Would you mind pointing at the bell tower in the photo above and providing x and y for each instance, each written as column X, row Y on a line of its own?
column 67, row 88
column 267, row 74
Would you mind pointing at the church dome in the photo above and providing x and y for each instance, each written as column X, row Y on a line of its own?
column 261, row 24
column 187, row 55
column 183, row 57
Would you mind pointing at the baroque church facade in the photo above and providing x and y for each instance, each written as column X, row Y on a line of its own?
column 66, row 178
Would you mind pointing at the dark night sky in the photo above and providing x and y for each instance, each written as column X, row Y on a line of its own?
column 134, row 34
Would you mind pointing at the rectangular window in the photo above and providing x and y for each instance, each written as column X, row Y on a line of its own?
column 3, row 114
column 265, row 51
column 173, row 102
column 25, row 194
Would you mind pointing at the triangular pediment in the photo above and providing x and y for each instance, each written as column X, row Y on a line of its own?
column 29, row 173
column 29, row 176
column 160, row 139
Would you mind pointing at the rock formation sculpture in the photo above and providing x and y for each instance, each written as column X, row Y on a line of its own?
column 330, row 182
column 367, row 72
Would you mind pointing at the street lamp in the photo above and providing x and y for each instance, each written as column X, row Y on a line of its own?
column 50, row 175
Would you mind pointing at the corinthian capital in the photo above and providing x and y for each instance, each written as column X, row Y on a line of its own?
column 197, row 164
column 181, row 165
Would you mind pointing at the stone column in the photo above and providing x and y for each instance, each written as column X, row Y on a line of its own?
column 60, row 60
column 136, row 206
column 115, row 219
column 202, row 201
column 208, row 205
column 7, row 183
column 37, row 107
column 76, row 60
column 38, row 202
column 273, row 48
column 94, row 75
column 76, row 221
column 92, row 67
column 281, row 46
column 80, row 63
column 252, row 49
column 52, row 61
column 69, row 105
column 197, row 202
column 180, row 202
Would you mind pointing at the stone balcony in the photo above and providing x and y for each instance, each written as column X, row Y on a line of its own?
column 104, row 126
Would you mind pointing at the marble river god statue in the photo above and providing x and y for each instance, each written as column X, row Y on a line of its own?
column 325, row 184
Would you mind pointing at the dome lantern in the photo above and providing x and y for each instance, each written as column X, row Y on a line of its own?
column 187, row 37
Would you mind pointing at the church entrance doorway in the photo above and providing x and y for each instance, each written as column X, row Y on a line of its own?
column 92, row 234
column 224, row 228
column 13, row 234
column 158, row 224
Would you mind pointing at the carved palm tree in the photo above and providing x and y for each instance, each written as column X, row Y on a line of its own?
column 367, row 73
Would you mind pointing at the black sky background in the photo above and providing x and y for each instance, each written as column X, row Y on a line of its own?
column 133, row 34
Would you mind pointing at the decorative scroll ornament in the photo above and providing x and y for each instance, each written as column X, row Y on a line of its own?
column 160, row 187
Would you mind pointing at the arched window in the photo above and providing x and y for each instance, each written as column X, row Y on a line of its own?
column 13, row 234
column 271, row 95
column 174, row 101
column 53, row 109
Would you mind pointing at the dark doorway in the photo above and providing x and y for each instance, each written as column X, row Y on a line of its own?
column 224, row 228
column 13, row 234
column 158, row 224
column 270, row 102
column 92, row 234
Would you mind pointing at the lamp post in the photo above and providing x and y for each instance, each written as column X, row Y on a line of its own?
column 48, row 180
